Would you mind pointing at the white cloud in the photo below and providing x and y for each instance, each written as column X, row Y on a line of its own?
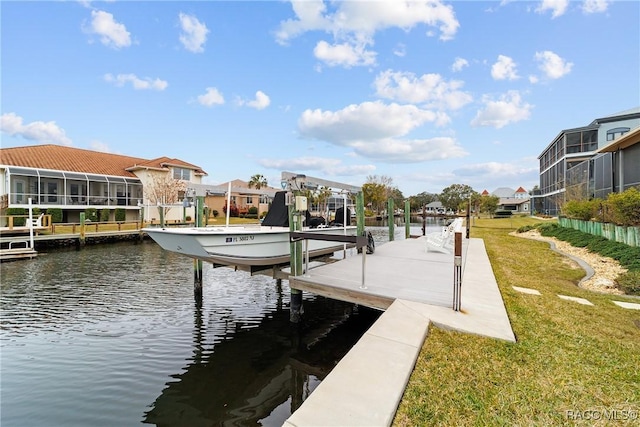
column 353, row 25
column 211, row 97
column 137, row 83
column 344, row 54
column 375, row 130
column 429, row 89
column 327, row 166
column 112, row 33
column 491, row 175
column 45, row 132
column 557, row 7
column 498, row 113
column 495, row 169
column 504, row 69
column 391, row 150
column 595, row 6
column 99, row 146
column 366, row 121
column 194, row 33
column 552, row 65
column 400, row 50
column 261, row 101
column 459, row 64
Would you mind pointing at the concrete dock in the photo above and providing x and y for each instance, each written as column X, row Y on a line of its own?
column 415, row 288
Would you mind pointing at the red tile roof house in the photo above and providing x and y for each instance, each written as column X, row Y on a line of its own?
column 516, row 201
column 74, row 179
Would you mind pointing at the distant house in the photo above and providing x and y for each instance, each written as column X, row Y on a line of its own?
column 74, row 180
column 242, row 197
column 513, row 200
column 435, row 208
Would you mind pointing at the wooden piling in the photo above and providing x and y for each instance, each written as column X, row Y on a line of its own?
column 407, row 219
column 81, row 240
column 360, row 213
column 197, row 264
column 295, row 224
column 390, row 210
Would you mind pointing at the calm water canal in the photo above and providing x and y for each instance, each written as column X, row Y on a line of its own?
column 111, row 336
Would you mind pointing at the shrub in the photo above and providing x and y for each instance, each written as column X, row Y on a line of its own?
column 232, row 212
column 215, row 213
column 582, row 209
column 18, row 221
column 91, row 214
column 624, row 208
column 56, row 214
column 253, row 210
column 627, row 256
column 503, row 214
column 629, row 282
column 526, row 228
column 120, row 215
column 104, row 215
column 187, row 218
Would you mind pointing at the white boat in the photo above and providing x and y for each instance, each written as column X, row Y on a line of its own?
column 259, row 245
column 245, row 246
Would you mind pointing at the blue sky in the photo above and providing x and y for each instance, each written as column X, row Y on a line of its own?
column 429, row 93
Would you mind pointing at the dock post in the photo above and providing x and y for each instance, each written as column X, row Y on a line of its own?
column 407, row 219
column 30, row 225
column 390, row 210
column 468, row 216
column 295, row 224
column 82, row 229
column 197, row 264
column 424, row 220
column 360, row 213
column 141, row 220
column 457, row 271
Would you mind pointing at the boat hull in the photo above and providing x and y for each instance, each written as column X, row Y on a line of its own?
column 243, row 246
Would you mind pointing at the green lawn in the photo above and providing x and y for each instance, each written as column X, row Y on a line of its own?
column 569, row 358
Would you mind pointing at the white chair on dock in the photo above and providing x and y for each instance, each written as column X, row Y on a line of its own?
column 443, row 241
column 37, row 222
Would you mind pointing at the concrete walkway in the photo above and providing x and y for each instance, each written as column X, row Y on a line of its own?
column 415, row 287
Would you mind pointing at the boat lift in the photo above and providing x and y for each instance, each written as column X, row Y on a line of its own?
column 294, row 184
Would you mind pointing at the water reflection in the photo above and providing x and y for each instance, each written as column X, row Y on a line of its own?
column 259, row 375
column 110, row 335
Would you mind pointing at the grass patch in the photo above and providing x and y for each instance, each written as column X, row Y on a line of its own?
column 568, row 357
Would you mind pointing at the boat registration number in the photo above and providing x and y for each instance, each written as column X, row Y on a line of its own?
column 239, row 239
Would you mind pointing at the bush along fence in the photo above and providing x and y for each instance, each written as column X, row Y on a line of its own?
column 619, row 233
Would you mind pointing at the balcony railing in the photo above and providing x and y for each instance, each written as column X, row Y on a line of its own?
column 52, row 199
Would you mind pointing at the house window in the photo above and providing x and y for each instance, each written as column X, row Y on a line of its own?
column 182, row 173
column 616, row 132
column 19, row 190
column 249, row 200
column 49, row 191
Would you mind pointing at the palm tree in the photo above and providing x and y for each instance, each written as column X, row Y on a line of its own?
column 258, row 181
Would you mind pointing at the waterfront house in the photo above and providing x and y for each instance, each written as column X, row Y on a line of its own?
column 576, row 164
column 517, row 201
column 435, row 208
column 74, row 180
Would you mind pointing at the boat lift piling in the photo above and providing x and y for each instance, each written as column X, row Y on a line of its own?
column 390, row 215
column 194, row 198
column 295, row 184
